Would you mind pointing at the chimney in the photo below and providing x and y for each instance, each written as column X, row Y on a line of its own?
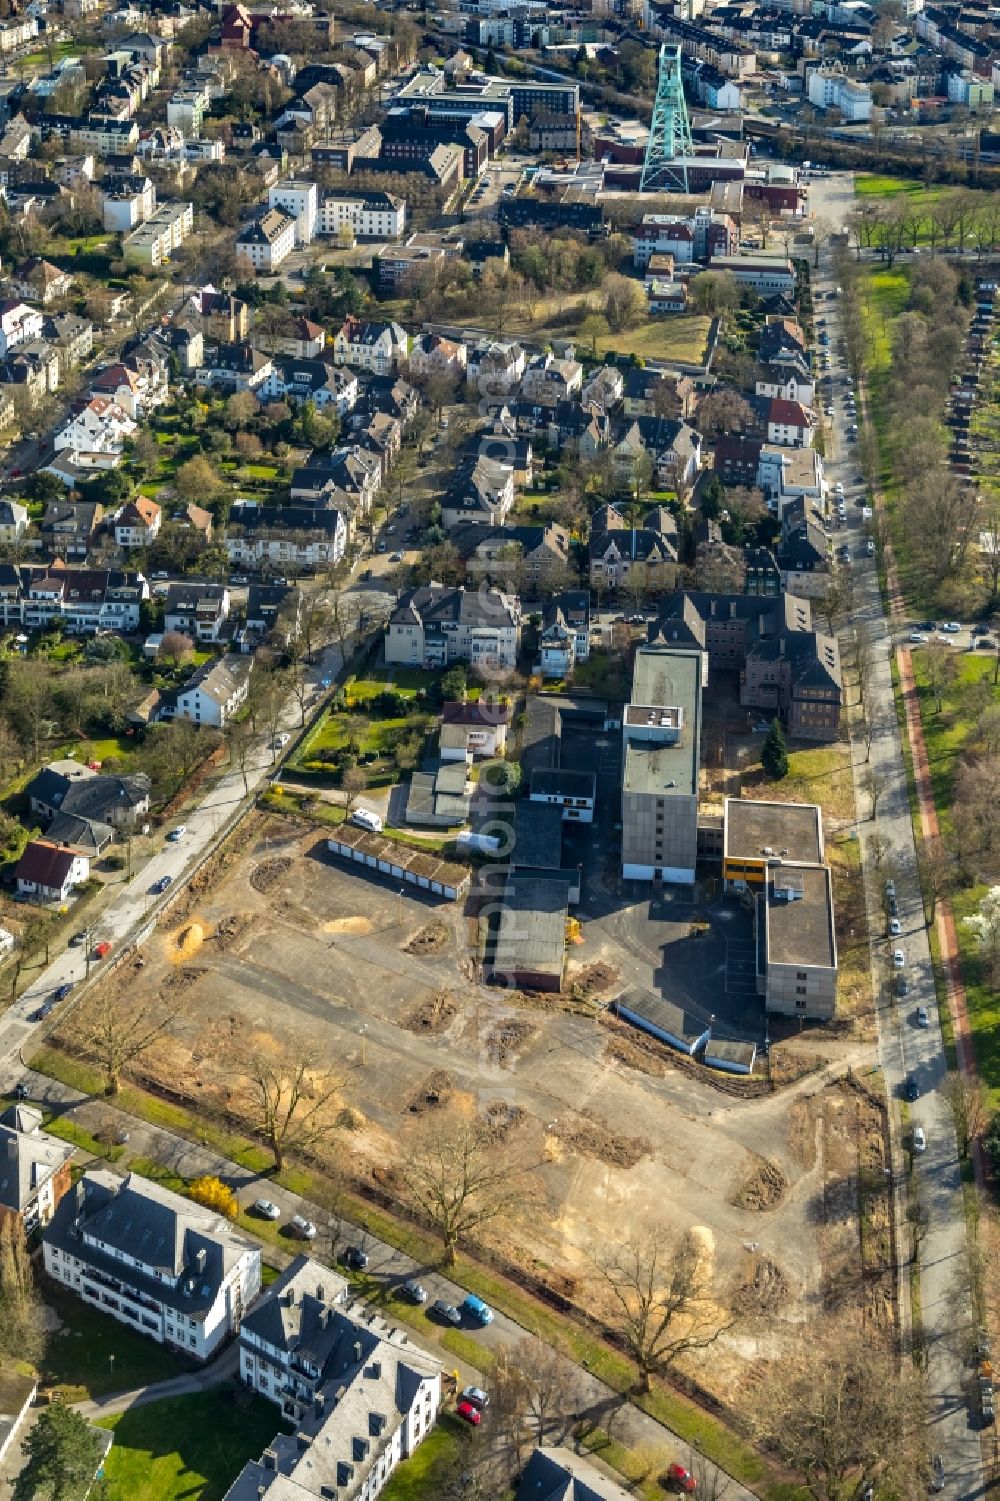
column 199, row 1260
column 320, row 1293
column 270, row 1459
column 357, row 1351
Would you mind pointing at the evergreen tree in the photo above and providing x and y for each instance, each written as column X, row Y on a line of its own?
column 774, row 756
column 62, row 1453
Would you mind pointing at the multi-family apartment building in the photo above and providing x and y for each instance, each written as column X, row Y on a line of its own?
column 299, row 199
column 34, row 1168
column 434, row 626
column 299, row 537
column 167, row 1268
column 163, row 232
column 269, row 240
column 368, row 215
column 359, row 1396
column 377, row 347
column 197, row 610
column 128, row 200
column 661, row 764
column 85, row 600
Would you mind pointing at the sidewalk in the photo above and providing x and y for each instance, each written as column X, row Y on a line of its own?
column 225, row 1368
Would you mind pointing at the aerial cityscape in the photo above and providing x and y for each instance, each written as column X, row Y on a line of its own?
column 499, row 750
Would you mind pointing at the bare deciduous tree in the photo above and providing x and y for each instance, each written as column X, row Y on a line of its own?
column 964, row 1094
column 287, row 1092
column 117, row 1029
column 460, row 1180
column 663, row 1303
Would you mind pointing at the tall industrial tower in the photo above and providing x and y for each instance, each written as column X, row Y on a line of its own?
column 669, row 132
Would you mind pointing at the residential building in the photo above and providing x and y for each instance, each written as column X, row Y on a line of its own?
column 661, row 764
column 481, row 491
column 495, row 366
column 548, row 380
column 48, row 872
column 169, row 1269
column 19, row 323
column 80, row 806
column 104, row 136
column 760, row 273
column 236, row 367
column 127, row 201
column 71, row 335
column 306, row 341
column 433, row 354
column 555, row 1473
column 68, row 529
column 300, row 201
column 434, row 626
column 521, row 559
column 360, row 1397
column 95, row 435
column 197, row 610
column 137, row 524
column 368, row 215
column 34, row 1168
column 215, row 692
column 476, row 728
column 13, row 521
column 187, row 107
column 377, row 347
column 40, row 281
column 310, row 380
column 84, row 600
column 299, row 537
column 829, row 87
column 644, row 558
column 565, row 635
column 774, row 853
column 164, row 231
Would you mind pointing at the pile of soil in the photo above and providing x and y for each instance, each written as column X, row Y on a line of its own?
column 621, row 1050
column 507, row 1039
column 269, row 872
column 764, row 1292
column 433, row 1094
column 593, row 980
column 231, row 929
column 500, row 1119
column 433, row 938
column 434, row 1013
column 585, row 1133
column 764, row 1187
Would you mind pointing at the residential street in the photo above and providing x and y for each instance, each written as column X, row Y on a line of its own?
column 906, row 1048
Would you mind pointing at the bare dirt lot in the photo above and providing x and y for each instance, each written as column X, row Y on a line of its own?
column 286, row 941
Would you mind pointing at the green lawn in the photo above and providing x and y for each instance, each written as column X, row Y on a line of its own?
column 95, row 750
column 406, row 681
column 78, row 1359
column 983, row 1000
column 876, row 185
column 946, row 734
column 679, row 337
column 187, row 1448
column 421, row 1478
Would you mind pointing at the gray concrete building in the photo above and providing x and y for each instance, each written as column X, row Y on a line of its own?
column 661, row 763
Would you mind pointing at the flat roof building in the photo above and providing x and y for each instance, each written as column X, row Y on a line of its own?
column 661, row 765
column 529, row 949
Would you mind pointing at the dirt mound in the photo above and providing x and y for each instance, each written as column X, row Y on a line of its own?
column 500, row 1119
column 507, row 1039
column 434, row 1013
column 180, row 979
column 764, row 1291
column 621, row 1050
column 433, row 1094
column 433, row 938
column 592, row 980
column 763, row 1188
column 269, row 872
column 585, row 1133
column 186, row 941
column 231, row 929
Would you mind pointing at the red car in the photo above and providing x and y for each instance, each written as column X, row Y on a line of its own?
column 680, row 1479
column 469, row 1413
column 102, row 950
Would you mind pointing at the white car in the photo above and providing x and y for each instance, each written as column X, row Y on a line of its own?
column 919, row 1139
column 952, row 627
column 280, row 741
column 895, row 927
column 898, row 959
column 916, row 639
column 923, row 1020
column 303, row 1228
column 266, row 1209
column 177, row 833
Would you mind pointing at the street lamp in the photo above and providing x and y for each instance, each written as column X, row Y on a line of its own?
column 364, row 1045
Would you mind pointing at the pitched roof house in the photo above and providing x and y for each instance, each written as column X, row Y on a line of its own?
column 34, row 1167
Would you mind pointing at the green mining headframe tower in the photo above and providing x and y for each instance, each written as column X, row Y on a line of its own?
column 669, row 145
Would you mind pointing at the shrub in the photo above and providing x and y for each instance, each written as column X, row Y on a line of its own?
column 214, row 1194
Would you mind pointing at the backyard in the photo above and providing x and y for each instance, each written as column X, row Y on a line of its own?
column 187, row 1448
column 90, row 1354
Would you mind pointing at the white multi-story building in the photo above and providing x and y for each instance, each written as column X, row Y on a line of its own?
column 300, row 200
column 299, row 537
column 434, row 626
column 137, row 524
column 18, row 324
column 163, row 232
column 99, row 427
column 360, row 1396
column 167, row 1268
column 265, row 243
column 216, row 692
column 128, row 202
column 377, row 347
column 369, row 216
column 86, row 600
column 830, row 88
column 187, row 107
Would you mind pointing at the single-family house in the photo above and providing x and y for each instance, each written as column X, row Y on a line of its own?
column 48, row 872
column 137, row 524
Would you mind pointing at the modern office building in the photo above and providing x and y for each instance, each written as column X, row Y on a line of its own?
column 661, row 762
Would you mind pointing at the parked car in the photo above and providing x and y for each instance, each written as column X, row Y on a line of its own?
column 469, row 1413
column 280, row 741
column 158, row 887
column 299, row 1226
column 898, row 959
column 176, row 834
column 447, row 1313
column 937, row 1473
column 890, row 888
column 266, row 1209
column 355, row 1258
column 902, row 985
column 42, row 1012
column 895, row 927
column 62, row 991
column 917, row 638
column 919, row 1139
column 952, row 627
column 477, row 1310
column 923, row 1020
column 680, row 1479
column 476, row 1396
column 102, row 950
column 78, row 938
column 912, row 1090
column 413, row 1292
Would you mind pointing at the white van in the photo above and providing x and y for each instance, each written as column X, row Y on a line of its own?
column 365, row 819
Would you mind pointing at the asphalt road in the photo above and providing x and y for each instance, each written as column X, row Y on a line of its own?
column 906, row 1048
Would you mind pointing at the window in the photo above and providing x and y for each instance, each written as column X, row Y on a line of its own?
column 800, row 990
column 801, row 974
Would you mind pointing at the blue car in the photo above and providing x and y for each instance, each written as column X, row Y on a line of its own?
column 477, row 1310
column 62, row 991
column 160, row 885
